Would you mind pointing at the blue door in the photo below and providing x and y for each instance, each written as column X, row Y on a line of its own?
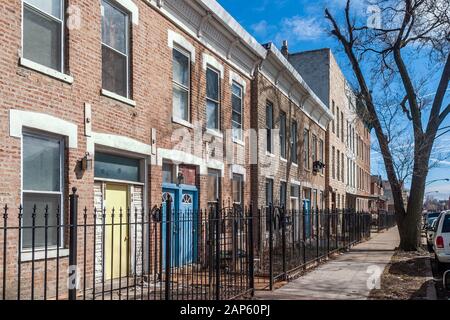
column 184, row 221
column 169, row 194
column 307, row 215
column 186, row 228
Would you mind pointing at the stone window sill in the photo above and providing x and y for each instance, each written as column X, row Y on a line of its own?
column 46, row 70
column 117, row 97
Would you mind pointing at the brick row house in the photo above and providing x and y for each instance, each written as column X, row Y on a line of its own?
column 133, row 102
column 291, row 126
column 348, row 135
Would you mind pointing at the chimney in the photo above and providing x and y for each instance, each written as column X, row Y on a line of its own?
column 285, row 49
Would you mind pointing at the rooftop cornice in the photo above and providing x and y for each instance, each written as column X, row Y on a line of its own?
column 320, row 113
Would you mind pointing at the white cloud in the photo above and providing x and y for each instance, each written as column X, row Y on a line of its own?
column 261, row 28
column 299, row 28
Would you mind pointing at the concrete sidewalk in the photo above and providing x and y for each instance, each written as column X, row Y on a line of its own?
column 344, row 277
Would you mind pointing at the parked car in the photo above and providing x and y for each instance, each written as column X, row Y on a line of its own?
column 430, row 231
column 429, row 218
column 441, row 243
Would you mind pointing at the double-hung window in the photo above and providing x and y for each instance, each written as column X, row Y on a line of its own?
column 337, row 122
column 294, row 157
column 43, row 33
column 115, row 49
column 283, row 190
column 238, row 188
column 321, row 151
column 306, row 149
column 333, row 162
column 269, row 192
column 283, row 134
column 213, row 186
column 42, row 191
column 269, row 200
column 181, row 84
column 269, row 125
column 212, row 99
column 314, row 148
column 236, row 101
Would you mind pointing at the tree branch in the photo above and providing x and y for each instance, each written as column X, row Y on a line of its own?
column 405, row 110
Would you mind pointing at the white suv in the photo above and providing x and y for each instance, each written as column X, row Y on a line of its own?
column 441, row 243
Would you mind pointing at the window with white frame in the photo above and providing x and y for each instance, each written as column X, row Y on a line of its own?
column 237, row 102
column 42, row 191
column 306, row 157
column 321, row 152
column 181, row 84
column 269, row 126
column 212, row 99
column 238, row 188
column 294, row 157
column 213, row 186
column 283, row 134
column 314, row 148
column 43, row 32
column 115, row 49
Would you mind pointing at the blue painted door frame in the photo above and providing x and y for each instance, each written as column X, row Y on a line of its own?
column 307, row 213
column 184, row 222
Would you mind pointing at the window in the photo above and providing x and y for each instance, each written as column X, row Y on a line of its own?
column 322, row 200
column 283, row 134
column 314, row 148
column 269, row 125
column 315, row 204
column 269, row 199
column 295, row 191
column 168, row 173
column 337, row 122
column 321, row 149
column 236, row 101
column 269, row 191
column 294, row 157
column 181, row 84
column 42, row 186
column 114, row 167
column 43, row 32
column 212, row 99
column 213, row 186
column 115, row 49
column 334, row 114
column 238, row 187
column 342, row 167
column 283, row 193
column 186, row 199
column 338, row 171
column 333, row 162
column 348, row 134
column 446, row 224
column 342, row 126
column 306, row 149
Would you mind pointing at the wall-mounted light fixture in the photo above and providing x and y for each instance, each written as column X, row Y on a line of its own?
column 86, row 162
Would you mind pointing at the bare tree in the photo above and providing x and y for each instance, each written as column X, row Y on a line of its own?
column 411, row 29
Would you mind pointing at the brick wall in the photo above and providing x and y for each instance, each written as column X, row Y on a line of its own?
column 151, row 81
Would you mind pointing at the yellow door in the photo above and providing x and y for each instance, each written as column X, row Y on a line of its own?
column 116, row 233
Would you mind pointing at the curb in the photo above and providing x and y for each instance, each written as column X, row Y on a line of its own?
column 431, row 288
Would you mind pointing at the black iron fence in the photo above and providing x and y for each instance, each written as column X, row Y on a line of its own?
column 222, row 252
column 290, row 240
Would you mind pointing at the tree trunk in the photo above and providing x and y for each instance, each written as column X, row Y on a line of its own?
column 409, row 223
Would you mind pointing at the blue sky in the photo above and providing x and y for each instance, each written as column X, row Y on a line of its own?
column 302, row 23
